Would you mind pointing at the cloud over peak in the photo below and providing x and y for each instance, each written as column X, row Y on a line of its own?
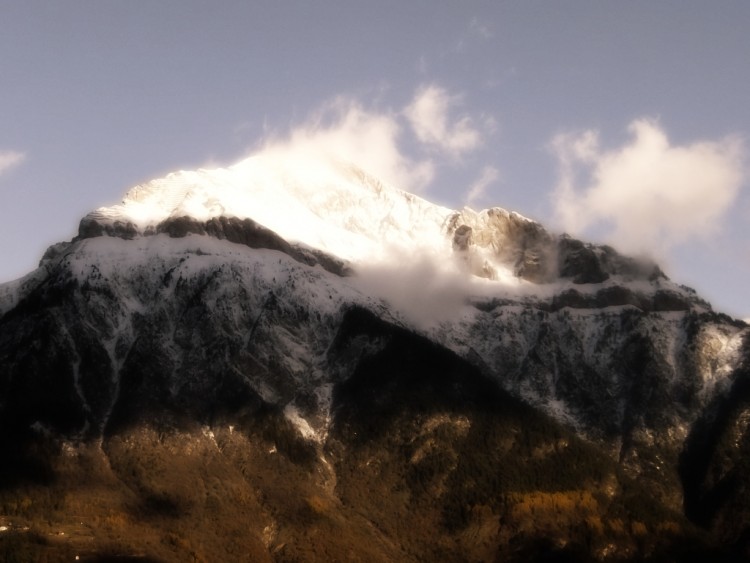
column 648, row 194
column 373, row 138
column 429, row 116
column 346, row 130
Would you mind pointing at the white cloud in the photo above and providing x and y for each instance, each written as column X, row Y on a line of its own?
column 477, row 190
column 424, row 289
column 649, row 194
column 346, row 130
column 373, row 139
column 9, row 159
column 428, row 115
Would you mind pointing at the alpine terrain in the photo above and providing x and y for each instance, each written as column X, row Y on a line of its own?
column 289, row 360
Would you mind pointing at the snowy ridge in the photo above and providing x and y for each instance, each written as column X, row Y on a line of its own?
column 327, row 205
column 553, row 319
column 336, row 208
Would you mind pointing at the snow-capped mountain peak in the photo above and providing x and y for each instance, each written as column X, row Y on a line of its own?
column 328, row 205
column 220, row 302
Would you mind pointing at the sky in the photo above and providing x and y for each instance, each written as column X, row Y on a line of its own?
column 618, row 122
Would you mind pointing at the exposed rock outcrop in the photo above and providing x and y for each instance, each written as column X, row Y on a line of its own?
column 502, row 238
column 496, row 237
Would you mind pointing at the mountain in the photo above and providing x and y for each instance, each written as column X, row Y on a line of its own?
column 288, row 360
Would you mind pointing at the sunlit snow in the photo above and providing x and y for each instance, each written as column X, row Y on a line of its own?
column 322, row 203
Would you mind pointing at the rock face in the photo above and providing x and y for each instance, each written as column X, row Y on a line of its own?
column 507, row 238
column 495, row 236
column 591, row 409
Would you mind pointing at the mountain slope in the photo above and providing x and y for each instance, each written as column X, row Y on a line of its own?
column 333, row 352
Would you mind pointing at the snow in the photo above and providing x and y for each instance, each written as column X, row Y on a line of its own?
column 324, row 396
column 398, row 241
column 12, row 291
column 286, row 312
column 325, row 204
column 723, row 345
column 293, row 415
column 559, row 410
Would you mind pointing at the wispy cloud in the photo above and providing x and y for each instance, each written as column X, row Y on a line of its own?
column 373, row 139
column 477, row 190
column 480, row 29
column 648, row 194
column 346, row 130
column 430, row 117
column 9, row 159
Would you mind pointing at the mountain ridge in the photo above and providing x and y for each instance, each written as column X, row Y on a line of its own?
column 169, row 315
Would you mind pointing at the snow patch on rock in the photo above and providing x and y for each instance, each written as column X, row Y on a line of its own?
column 292, row 414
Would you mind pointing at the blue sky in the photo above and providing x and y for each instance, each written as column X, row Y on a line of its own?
column 621, row 122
